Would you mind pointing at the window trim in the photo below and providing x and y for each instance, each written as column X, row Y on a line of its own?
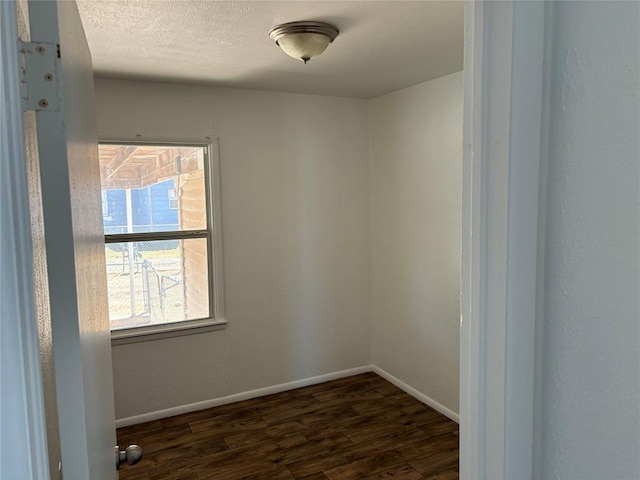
column 213, row 234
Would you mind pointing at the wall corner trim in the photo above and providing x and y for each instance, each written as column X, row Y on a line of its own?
column 447, row 412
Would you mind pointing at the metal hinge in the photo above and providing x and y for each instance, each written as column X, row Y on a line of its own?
column 39, row 76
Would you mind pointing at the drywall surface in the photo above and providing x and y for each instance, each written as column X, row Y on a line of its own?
column 295, row 214
column 590, row 411
column 416, row 168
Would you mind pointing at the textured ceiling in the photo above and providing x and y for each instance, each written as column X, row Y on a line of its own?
column 382, row 46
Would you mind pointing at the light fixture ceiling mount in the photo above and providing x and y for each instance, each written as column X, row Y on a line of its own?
column 303, row 40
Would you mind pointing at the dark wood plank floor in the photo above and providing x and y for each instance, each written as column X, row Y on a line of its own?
column 360, row 427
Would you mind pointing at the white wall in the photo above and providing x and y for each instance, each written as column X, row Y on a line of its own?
column 590, row 408
column 295, row 213
column 416, row 167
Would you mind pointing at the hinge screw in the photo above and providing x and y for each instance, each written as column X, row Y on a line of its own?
column 43, row 103
column 40, row 49
column 48, row 77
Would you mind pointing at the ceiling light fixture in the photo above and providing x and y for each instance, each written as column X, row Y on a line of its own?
column 303, row 40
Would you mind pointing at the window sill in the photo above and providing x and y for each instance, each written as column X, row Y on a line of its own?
column 159, row 332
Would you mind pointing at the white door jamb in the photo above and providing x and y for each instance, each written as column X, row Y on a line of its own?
column 503, row 99
column 23, row 434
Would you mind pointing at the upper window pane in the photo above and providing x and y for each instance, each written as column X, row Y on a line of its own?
column 149, row 188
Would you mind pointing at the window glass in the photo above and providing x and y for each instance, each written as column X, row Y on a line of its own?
column 155, row 214
column 152, row 289
column 153, row 188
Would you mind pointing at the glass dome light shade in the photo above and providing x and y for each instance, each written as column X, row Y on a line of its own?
column 303, row 40
column 304, row 46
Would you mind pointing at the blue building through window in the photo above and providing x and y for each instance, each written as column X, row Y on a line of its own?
column 151, row 209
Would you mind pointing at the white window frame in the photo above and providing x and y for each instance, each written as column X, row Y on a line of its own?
column 216, row 320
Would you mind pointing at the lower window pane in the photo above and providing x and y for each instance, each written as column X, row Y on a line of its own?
column 156, row 282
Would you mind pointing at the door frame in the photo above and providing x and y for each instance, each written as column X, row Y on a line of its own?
column 79, row 348
column 504, row 169
column 21, row 389
column 503, row 213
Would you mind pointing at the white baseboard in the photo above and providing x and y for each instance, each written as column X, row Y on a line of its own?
column 283, row 387
column 237, row 397
column 416, row 394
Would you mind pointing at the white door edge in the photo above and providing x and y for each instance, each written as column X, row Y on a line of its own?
column 74, row 243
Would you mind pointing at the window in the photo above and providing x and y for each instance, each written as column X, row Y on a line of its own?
column 105, row 205
column 160, row 238
column 173, row 200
